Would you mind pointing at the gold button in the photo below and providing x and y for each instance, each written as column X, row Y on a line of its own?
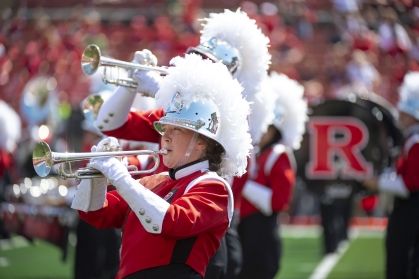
column 111, row 114
column 148, row 219
column 105, row 120
column 155, row 227
column 141, row 211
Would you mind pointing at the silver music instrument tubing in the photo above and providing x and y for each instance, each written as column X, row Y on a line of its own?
column 92, row 59
column 43, row 159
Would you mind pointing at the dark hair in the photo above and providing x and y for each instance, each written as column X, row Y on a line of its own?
column 275, row 139
column 213, row 153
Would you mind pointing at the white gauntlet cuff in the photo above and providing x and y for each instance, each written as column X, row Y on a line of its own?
column 259, row 195
column 114, row 112
column 149, row 207
column 90, row 195
column 393, row 183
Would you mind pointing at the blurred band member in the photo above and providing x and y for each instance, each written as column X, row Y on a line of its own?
column 10, row 132
column 402, row 240
column 269, row 188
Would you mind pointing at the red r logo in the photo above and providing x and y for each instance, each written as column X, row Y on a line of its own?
column 325, row 145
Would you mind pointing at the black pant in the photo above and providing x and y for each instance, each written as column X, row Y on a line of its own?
column 97, row 252
column 217, row 266
column 335, row 215
column 234, row 253
column 171, row 271
column 261, row 246
column 402, row 234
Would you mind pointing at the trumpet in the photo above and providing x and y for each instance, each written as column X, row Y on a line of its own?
column 92, row 59
column 92, row 105
column 43, row 159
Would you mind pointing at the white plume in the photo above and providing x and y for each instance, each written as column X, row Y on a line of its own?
column 10, row 127
column 195, row 79
column 242, row 33
column 409, row 94
column 288, row 94
column 262, row 114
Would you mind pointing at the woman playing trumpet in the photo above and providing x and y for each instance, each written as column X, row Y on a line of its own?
column 173, row 222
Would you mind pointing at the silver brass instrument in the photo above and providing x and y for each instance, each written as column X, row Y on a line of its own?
column 43, row 159
column 92, row 59
column 91, row 106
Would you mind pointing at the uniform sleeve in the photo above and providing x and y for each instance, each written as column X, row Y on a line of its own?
column 111, row 215
column 282, row 180
column 139, row 126
column 237, row 188
column 201, row 209
column 411, row 169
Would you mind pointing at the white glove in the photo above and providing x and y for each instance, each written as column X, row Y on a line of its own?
column 113, row 169
column 145, row 57
column 148, row 81
column 106, row 144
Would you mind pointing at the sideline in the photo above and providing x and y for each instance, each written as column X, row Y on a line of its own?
column 329, row 261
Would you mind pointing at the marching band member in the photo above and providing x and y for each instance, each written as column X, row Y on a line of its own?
column 269, row 190
column 231, row 38
column 39, row 109
column 402, row 240
column 173, row 222
column 10, row 132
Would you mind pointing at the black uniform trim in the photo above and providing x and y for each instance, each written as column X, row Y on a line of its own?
column 182, row 250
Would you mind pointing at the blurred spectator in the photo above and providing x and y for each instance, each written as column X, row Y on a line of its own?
column 370, row 16
column 346, row 6
column 335, row 68
column 10, row 132
column 361, row 72
column 393, row 38
column 287, row 51
column 313, row 92
column 364, row 40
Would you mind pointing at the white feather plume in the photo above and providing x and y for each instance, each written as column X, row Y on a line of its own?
column 242, row 33
column 288, row 94
column 195, row 79
column 10, row 127
column 262, row 115
column 409, row 94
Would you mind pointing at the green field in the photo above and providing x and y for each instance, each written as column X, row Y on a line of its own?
column 362, row 259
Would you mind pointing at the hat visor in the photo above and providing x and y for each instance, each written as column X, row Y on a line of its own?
column 168, row 121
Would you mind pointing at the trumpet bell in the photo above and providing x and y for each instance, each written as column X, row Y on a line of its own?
column 90, row 60
column 42, row 159
column 92, row 106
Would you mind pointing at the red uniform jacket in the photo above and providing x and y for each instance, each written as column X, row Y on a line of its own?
column 139, row 126
column 408, row 165
column 275, row 170
column 192, row 227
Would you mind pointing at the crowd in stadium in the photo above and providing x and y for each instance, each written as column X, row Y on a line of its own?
column 316, row 47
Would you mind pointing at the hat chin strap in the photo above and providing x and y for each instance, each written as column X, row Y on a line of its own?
column 188, row 151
